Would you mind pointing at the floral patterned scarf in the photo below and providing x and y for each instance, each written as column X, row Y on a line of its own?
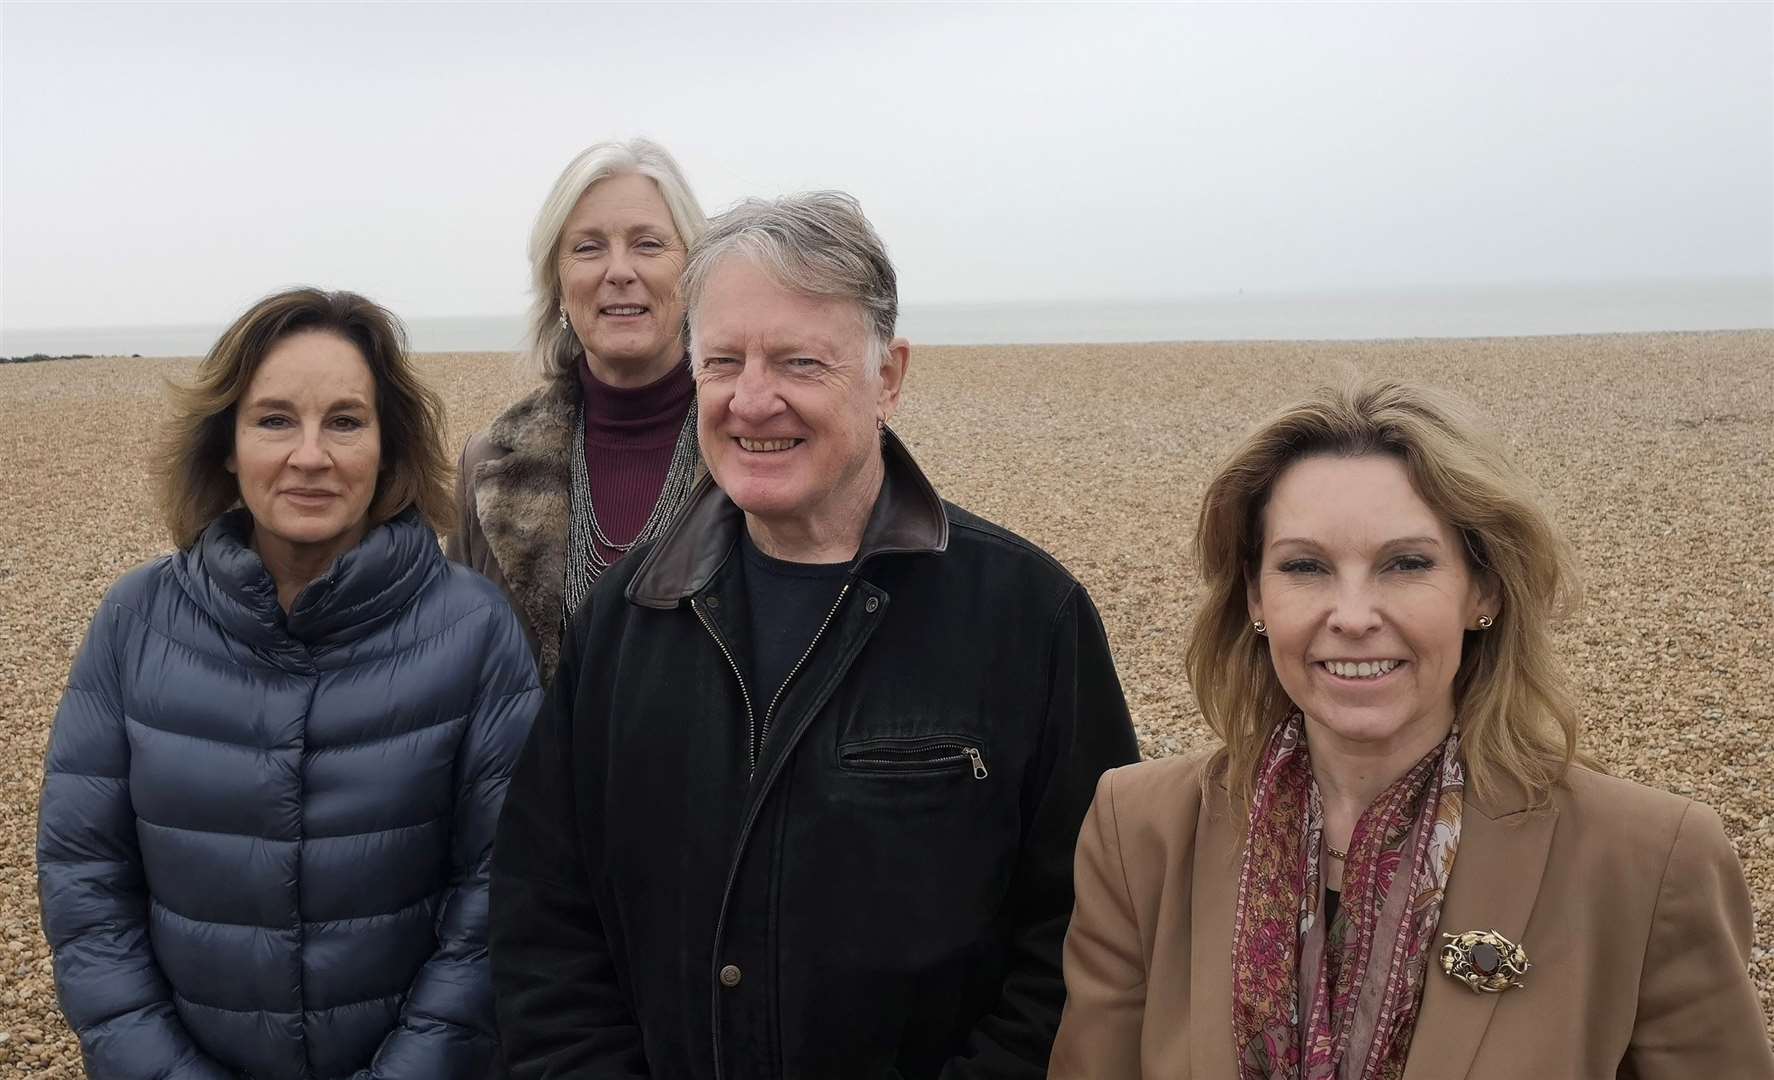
column 1338, row 1002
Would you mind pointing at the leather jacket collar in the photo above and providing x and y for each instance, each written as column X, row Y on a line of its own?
column 908, row 516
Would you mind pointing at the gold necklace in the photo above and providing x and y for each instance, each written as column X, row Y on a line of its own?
column 1340, row 856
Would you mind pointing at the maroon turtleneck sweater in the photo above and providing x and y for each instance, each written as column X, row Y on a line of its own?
column 629, row 437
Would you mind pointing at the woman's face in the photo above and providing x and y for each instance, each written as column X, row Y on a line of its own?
column 1367, row 596
column 620, row 259
column 307, row 444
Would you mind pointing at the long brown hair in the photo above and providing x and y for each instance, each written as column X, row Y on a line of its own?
column 195, row 484
column 1515, row 712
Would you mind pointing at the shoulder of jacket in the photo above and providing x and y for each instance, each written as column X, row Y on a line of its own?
column 544, row 407
column 608, row 599
column 967, row 527
column 1162, row 785
column 479, row 448
column 1597, row 793
column 1156, row 808
column 143, row 587
column 464, row 589
column 1614, row 824
column 459, row 598
column 1612, row 808
column 1638, row 844
column 1162, row 797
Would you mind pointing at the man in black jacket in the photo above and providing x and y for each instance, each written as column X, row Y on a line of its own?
column 804, row 797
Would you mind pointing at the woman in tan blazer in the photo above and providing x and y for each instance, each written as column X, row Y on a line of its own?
column 1395, row 864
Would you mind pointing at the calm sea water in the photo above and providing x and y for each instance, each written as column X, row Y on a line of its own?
column 1728, row 304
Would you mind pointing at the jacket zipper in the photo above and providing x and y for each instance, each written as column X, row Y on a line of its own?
column 745, row 826
column 970, row 754
column 750, row 723
column 792, row 672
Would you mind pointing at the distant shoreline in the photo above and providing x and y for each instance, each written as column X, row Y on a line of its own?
column 36, row 358
column 1467, row 313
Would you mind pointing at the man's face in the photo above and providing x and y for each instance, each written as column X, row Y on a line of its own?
column 787, row 408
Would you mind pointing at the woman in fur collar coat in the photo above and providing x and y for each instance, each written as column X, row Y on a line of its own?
column 602, row 454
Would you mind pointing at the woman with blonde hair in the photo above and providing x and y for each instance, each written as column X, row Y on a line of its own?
column 599, row 457
column 1395, row 864
column 268, row 806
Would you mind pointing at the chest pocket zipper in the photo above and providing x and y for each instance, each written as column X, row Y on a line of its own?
column 914, row 757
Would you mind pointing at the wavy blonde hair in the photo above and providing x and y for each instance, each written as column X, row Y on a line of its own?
column 1515, row 712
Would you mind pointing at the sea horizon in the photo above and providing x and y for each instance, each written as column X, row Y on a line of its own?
column 1526, row 310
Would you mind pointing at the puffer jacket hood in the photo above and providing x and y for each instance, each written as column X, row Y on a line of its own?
column 264, row 837
column 361, row 591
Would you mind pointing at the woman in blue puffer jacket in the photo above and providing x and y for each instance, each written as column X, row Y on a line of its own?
column 271, row 790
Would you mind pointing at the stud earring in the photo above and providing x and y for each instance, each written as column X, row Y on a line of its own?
column 880, row 423
column 565, row 325
column 1259, row 627
column 1485, row 622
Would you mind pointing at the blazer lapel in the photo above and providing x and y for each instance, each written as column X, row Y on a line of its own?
column 1494, row 884
column 1212, row 909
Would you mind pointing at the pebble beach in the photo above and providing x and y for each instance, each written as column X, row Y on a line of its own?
column 1651, row 450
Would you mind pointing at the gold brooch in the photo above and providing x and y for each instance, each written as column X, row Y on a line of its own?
column 1486, row 961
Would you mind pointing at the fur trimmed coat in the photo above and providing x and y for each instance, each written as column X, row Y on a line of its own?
column 511, row 491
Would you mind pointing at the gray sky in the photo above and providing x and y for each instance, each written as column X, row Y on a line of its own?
column 168, row 164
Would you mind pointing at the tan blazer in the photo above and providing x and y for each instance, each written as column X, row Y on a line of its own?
column 1630, row 903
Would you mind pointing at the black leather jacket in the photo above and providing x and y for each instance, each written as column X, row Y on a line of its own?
column 885, row 891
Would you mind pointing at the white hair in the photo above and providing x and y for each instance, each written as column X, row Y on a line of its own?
column 818, row 244
column 549, row 349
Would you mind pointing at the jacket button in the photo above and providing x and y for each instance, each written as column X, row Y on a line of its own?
column 713, row 602
column 874, row 603
column 730, row 976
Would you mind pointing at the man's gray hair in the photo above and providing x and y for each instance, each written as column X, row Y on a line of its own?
column 817, row 243
column 551, row 349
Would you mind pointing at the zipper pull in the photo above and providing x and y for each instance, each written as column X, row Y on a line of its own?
column 979, row 764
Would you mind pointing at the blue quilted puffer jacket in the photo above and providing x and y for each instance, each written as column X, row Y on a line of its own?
column 264, row 838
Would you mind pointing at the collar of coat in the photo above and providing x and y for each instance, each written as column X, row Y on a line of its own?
column 908, row 516
column 363, row 588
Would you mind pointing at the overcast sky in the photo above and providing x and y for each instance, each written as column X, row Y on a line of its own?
column 168, row 164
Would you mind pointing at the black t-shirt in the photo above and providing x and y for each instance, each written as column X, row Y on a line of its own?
column 789, row 602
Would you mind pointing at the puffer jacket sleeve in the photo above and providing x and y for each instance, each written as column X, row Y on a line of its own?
column 446, row 1026
column 1086, row 732
column 90, row 883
